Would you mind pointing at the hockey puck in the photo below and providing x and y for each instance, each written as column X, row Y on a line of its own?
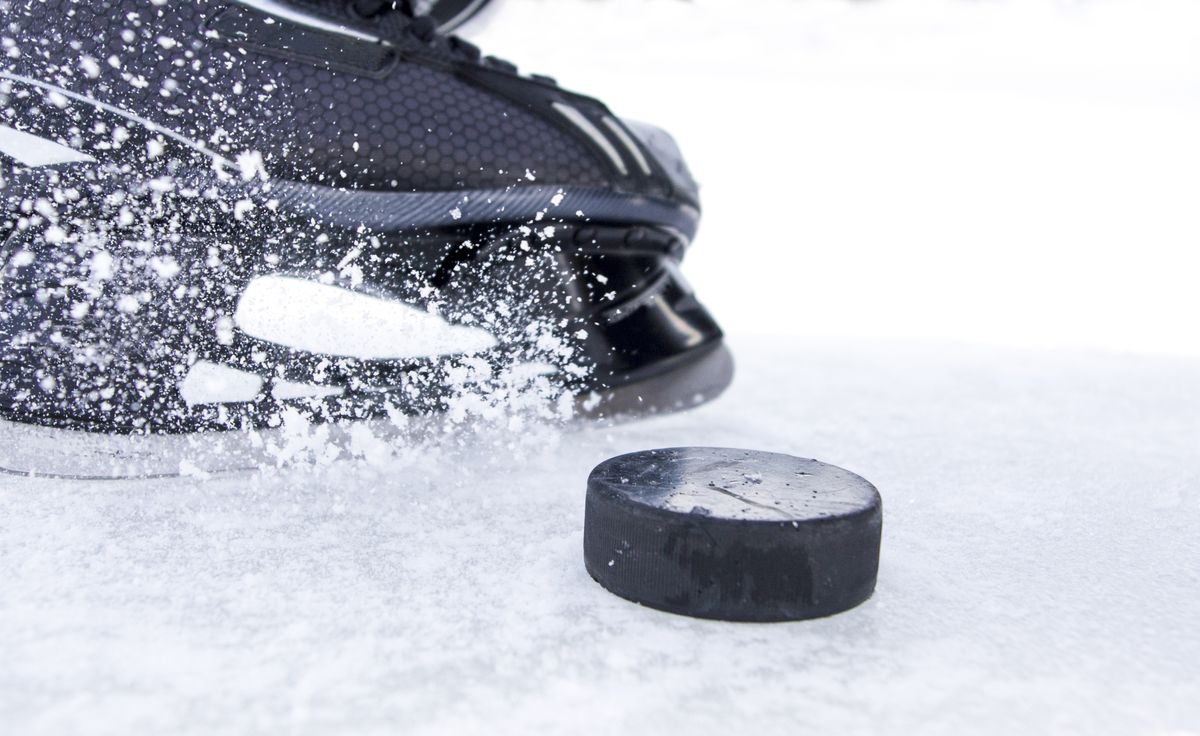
column 728, row 534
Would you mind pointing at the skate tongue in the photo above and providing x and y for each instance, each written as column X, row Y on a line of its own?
column 372, row 8
column 424, row 28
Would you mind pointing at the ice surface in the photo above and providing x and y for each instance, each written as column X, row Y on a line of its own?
column 1039, row 572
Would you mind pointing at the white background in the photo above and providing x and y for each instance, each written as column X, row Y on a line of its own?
column 1016, row 173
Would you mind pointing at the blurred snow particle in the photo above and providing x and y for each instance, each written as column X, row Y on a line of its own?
column 251, row 165
column 90, row 66
column 21, row 258
column 100, row 268
column 128, row 304
column 165, row 267
column 224, row 330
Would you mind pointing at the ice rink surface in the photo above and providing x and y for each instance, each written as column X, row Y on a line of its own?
column 1039, row 573
column 1041, row 558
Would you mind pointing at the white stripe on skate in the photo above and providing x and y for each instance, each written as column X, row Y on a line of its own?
column 330, row 320
column 148, row 124
column 627, row 141
column 284, row 390
column 31, row 150
column 591, row 131
column 210, row 383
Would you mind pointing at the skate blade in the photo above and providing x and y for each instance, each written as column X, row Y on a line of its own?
column 37, row 451
column 696, row 382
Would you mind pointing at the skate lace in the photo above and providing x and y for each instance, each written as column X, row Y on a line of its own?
column 424, row 29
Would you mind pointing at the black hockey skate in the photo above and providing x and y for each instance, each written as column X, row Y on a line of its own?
column 247, row 215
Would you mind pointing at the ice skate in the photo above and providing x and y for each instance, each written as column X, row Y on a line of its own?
column 219, row 215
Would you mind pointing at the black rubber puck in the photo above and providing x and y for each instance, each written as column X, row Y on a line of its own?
column 731, row 534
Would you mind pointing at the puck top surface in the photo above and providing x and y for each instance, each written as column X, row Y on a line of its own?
column 739, row 485
column 732, row 534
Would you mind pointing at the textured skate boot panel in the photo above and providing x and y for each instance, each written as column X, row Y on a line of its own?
column 309, row 121
column 324, row 95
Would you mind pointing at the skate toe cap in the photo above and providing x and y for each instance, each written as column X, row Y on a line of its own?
column 662, row 146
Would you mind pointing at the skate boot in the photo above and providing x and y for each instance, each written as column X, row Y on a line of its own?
column 225, row 217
